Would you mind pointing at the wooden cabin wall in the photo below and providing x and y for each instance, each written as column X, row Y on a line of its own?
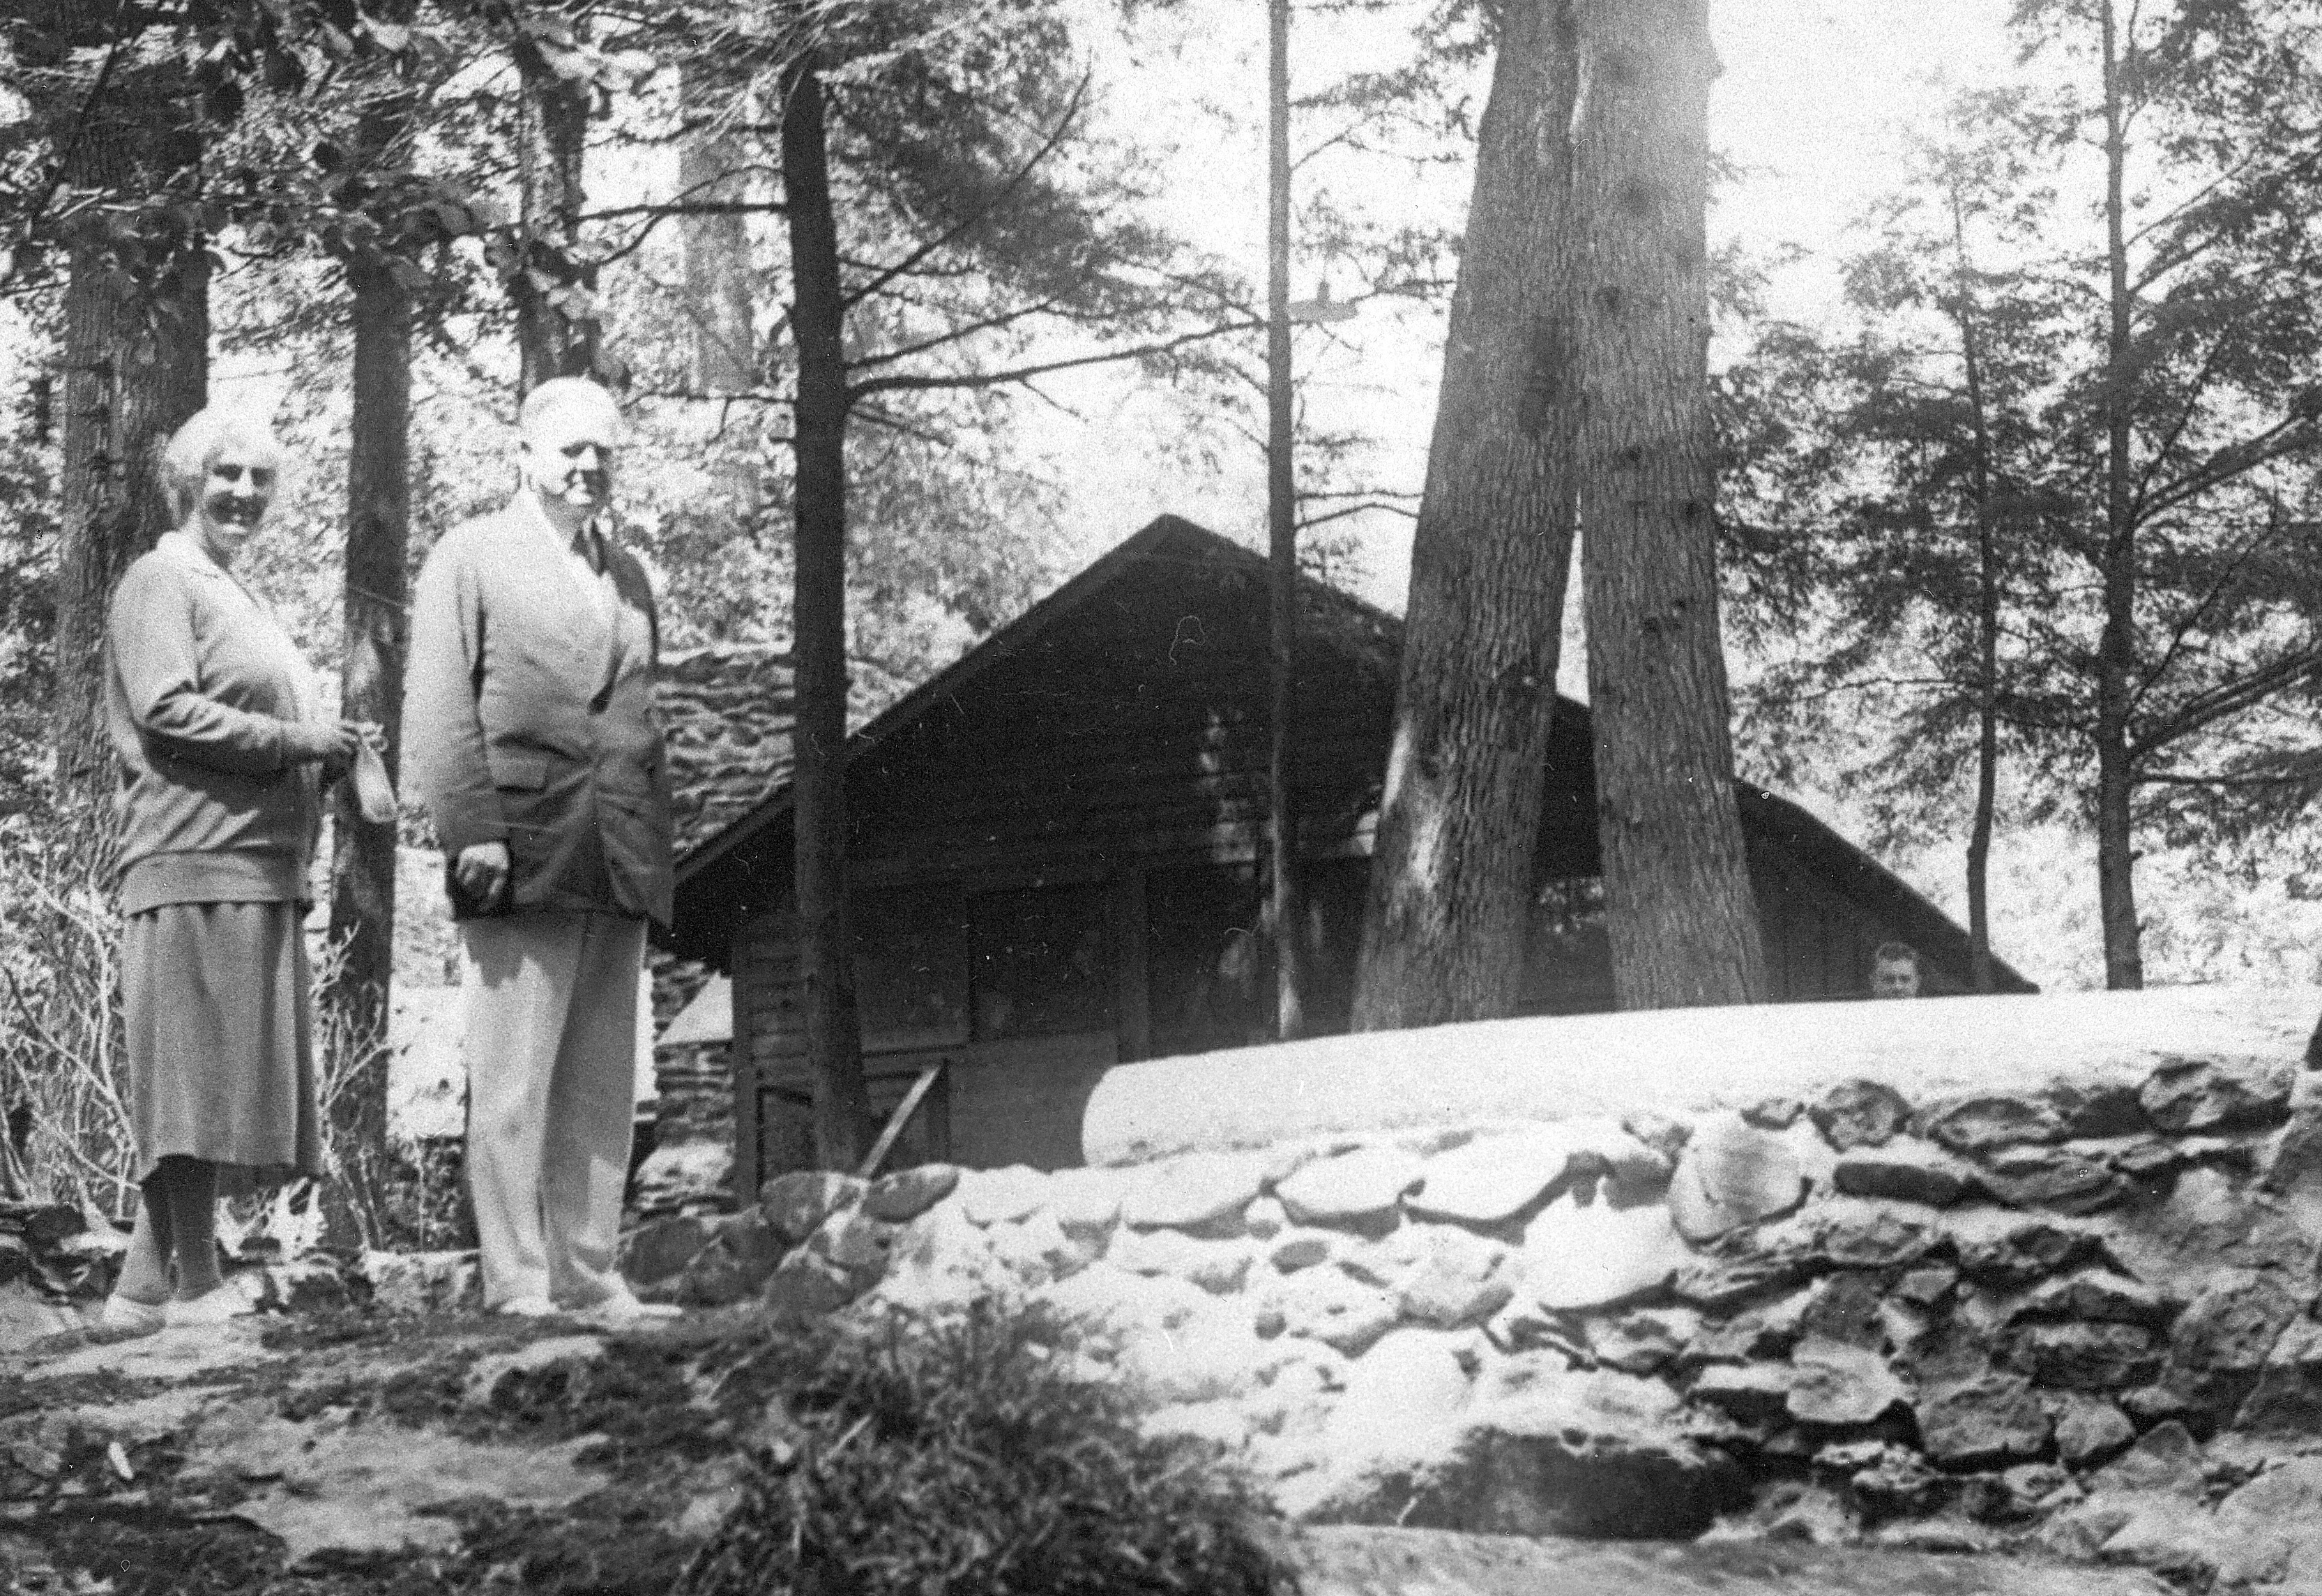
column 1819, row 942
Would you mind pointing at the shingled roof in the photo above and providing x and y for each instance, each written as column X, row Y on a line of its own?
column 748, row 789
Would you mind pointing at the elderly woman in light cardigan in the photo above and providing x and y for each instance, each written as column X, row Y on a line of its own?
column 223, row 756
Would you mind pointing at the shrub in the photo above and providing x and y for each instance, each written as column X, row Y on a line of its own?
column 961, row 1457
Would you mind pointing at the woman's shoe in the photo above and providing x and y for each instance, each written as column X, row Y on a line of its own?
column 212, row 1307
column 125, row 1315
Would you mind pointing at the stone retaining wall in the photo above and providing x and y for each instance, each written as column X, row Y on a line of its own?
column 2082, row 1308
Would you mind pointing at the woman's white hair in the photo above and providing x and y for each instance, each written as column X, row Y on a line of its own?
column 186, row 459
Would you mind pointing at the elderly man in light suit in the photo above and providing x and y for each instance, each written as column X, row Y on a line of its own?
column 529, row 709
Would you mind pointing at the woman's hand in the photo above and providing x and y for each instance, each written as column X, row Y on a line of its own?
column 332, row 743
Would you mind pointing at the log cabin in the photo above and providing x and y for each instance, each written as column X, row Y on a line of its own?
column 1054, row 847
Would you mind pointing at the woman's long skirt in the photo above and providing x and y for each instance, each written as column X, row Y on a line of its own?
column 221, row 1044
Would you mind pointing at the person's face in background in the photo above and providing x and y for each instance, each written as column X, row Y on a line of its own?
column 566, row 459
column 236, row 491
column 1894, row 978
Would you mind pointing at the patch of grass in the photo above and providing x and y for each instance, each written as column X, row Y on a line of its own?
column 963, row 1458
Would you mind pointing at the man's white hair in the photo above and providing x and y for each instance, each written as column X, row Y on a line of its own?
column 186, row 459
column 560, row 394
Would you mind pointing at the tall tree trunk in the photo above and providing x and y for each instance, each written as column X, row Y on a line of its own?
column 136, row 367
column 1683, row 920
column 1282, row 548
column 1987, row 615
column 718, row 275
column 1450, row 882
column 362, row 862
column 2116, row 648
column 556, row 335
column 834, row 1026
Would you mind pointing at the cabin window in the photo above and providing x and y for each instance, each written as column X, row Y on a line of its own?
column 910, row 971
column 1039, row 962
column 1567, row 951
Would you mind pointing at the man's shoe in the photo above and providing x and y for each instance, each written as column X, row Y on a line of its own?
column 212, row 1307
column 528, row 1308
column 124, row 1316
column 621, row 1308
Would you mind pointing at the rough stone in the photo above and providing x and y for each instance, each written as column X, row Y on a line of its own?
column 661, row 1250
column 1748, row 1390
column 1663, row 1134
column 2090, row 1430
column 1107, row 1299
column 1859, row 1114
column 2016, row 1249
column 2288, row 1398
column 2233, row 1325
column 1193, row 1192
column 1905, row 1169
column 1331, row 1306
column 1855, row 1233
column 2166, row 1458
column 692, row 1177
column 1216, row 1266
column 1302, row 1250
column 1848, row 1308
column 1037, row 1250
column 2064, row 1179
column 796, row 1202
column 1577, row 1256
column 2110, row 1108
column 1086, row 1201
column 2197, row 1094
column 1732, row 1174
column 1983, row 1422
column 1985, row 1122
column 1209, row 1357
column 1716, row 1283
column 2085, row 1357
column 2210, row 1220
column 1458, row 1280
column 1356, row 1189
column 903, row 1195
column 804, row 1287
column 1002, row 1196
column 1835, row 1384
column 2098, row 1294
column 854, row 1243
column 1766, row 1332
column 1493, row 1178
column 2270, row 1529
column 1927, row 1287
column 1266, row 1218
column 1774, row 1113
column 1595, row 1455
column 1643, row 1342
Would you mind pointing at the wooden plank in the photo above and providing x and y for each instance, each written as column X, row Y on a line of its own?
column 1132, row 986
column 900, row 1117
column 744, row 1054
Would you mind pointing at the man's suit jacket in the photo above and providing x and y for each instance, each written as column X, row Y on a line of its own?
column 529, row 718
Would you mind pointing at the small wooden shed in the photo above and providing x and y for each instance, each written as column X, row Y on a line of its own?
column 1054, row 849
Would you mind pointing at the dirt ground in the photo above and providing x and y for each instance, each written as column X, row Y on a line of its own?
column 353, row 1453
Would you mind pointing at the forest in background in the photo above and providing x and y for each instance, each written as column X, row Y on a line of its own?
column 2016, row 544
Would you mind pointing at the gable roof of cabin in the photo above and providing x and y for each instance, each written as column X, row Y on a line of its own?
column 731, row 819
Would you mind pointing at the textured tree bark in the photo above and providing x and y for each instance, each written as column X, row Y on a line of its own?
column 834, row 1028
column 721, row 309
column 1986, row 617
column 1283, row 915
column 1450, row 884
column 136, row 367
column 552, row 339
column 1683, row 920
column 2116, row 647
column 362, row 860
